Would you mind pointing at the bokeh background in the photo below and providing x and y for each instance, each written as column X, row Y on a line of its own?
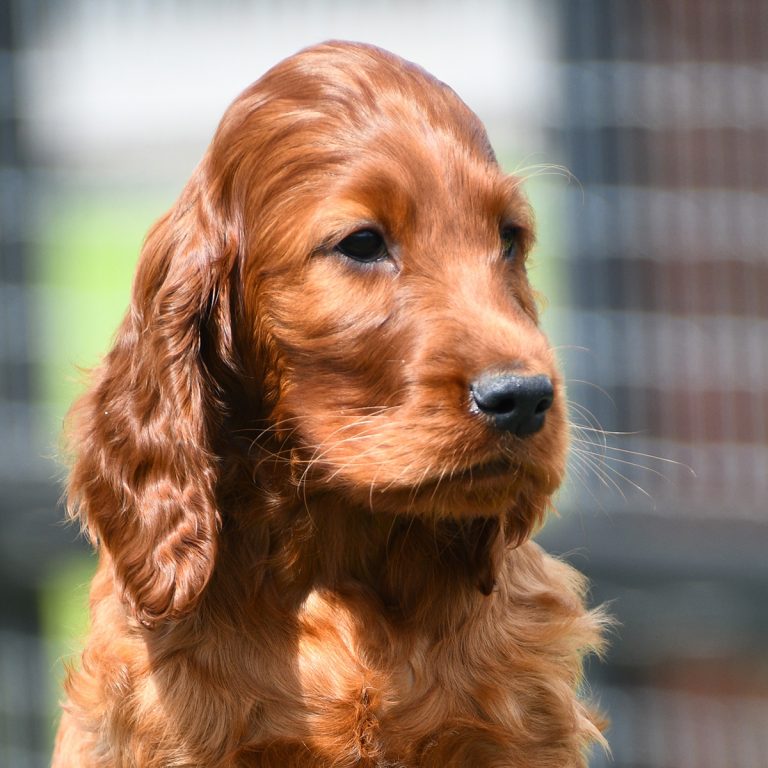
column 642, row 127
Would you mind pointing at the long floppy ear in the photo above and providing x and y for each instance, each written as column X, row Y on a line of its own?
column 144, row 477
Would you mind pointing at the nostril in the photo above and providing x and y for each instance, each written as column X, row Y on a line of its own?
column 513, row 403
column 495, row 402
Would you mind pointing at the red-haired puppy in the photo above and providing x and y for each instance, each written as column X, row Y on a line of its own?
column 312, row 460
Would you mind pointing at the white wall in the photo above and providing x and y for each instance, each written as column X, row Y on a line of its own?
column 125, row 88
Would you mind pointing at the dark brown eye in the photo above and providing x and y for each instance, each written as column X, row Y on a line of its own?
column 510, row 242
column 366, row 246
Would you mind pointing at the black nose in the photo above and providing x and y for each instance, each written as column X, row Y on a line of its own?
column 516, row 404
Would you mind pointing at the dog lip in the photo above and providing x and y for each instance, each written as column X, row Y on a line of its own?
column 484, row 470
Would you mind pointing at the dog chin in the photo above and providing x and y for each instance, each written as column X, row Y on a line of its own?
column 492, row 488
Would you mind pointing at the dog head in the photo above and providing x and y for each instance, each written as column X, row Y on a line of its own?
column 344, row 277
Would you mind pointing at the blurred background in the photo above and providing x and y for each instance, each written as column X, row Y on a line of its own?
column 642, row 127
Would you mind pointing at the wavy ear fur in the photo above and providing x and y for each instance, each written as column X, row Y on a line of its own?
column 144, row 477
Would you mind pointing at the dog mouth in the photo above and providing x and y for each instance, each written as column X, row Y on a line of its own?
column 489, row 472
column 494, row 469
column 482, row 486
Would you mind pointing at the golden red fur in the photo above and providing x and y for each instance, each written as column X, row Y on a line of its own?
column 313, row 539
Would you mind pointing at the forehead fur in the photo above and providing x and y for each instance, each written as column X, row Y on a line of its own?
column 358, row 86
column 335, row 100
column 345, row 120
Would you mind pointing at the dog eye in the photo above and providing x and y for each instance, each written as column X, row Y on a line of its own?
column 367, row 245
column 510, row 242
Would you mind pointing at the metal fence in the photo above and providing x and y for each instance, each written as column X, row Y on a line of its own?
column 24, row 704
column 666, row 130
column 664, row 126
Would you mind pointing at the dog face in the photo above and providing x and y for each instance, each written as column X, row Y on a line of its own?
column 384, row 269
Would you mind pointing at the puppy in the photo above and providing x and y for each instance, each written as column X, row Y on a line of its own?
column 312, row 460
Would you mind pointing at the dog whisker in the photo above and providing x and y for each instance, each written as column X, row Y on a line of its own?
column 602, row 471
column 650, row 456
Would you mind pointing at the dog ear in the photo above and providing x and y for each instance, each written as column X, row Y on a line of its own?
column 144, row 478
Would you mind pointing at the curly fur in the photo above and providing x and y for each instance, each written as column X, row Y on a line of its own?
column 312, row 551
